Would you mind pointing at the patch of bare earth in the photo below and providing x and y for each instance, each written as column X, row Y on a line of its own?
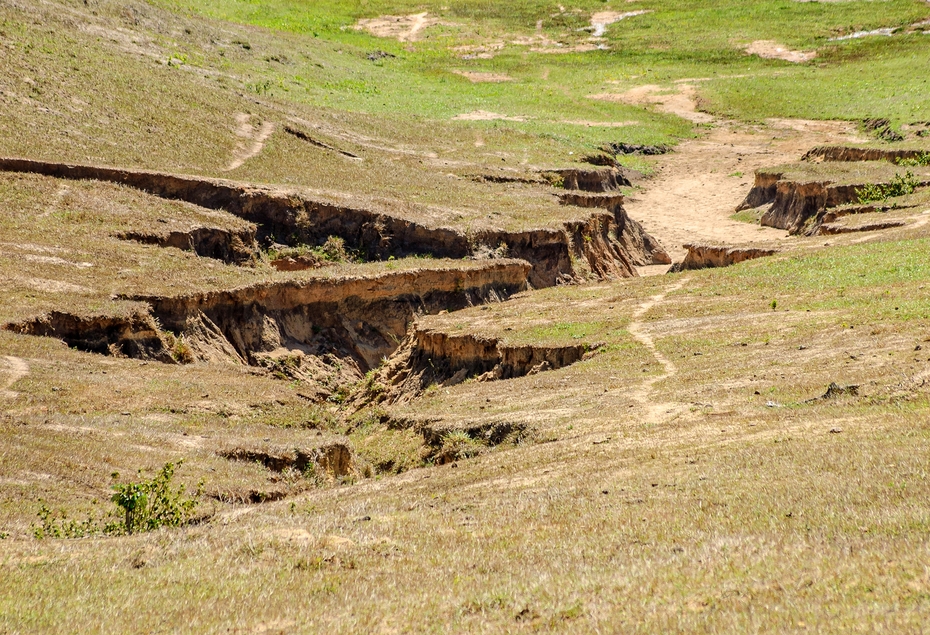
column 769, row 49
column 252, row 139
column 404, row 28
column 484, row 115
column 481, row 78
column 697, row 187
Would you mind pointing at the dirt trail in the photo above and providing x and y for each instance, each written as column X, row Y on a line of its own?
column 641, row 333
column 253, row 140
column 698, row 186
column 404, row 28
column 14, row 369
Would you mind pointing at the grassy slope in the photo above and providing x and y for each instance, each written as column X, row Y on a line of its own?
column 850, row 80
column 722, row 514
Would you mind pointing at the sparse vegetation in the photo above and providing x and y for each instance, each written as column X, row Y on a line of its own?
column 151, row 504
column 141, row 506
column 921, row 160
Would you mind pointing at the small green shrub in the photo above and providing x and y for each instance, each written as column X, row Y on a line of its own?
column 900, row 185
column 143, row 506
column 149, row 505
column 458, row 444
column 921, row 160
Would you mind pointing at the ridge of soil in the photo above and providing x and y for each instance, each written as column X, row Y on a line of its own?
column 610, row 243
column 288, row 327
column 703, row 256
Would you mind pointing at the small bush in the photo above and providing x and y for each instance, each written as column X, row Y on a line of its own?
column 900, row 185
column 458, row 444
column 149, row 505
column 921, row 160
column 142, row 506
column 334, row 250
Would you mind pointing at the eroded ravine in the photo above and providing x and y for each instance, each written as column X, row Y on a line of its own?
column 696, row 188
column 609, row 242
column 326, row 331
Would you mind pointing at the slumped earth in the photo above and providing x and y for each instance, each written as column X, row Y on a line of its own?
column 464, row 317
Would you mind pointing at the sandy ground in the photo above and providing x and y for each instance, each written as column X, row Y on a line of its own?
column 772, row 50
column 696, row 188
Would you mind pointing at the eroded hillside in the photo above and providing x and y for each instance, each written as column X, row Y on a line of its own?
column 520, row 317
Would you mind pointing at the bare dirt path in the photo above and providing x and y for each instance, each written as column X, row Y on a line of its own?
column 253, row 139
column 641, row 333
column 11, row 371
column 698, row 186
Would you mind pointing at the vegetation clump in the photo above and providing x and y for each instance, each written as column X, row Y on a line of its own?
column 900, row 185
column 921, row 160
column 141, row 506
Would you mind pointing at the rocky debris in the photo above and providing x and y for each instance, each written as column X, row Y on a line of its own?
column 208, row 242
column 291, row 217
column 703, row 256
column 428, row 357
column 604, row 179
column 335, row 458
column 844, row 153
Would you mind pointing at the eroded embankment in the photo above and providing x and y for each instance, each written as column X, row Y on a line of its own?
column 232, row 247
column 704, row 256
column 610, row 242
column 843, row 153
column 427, row 357
column 795, row 204
column 801, row 207
column 289, row 326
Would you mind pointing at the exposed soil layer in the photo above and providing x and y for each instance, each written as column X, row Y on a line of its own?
column 349, row 324
column 703, row 256
column 800, row 207
column 604, row 179
column 612, row 243
column 844, row 153
column 133, row 335
column 828, row 229
column 428, row 357
column 334, row 458
column 796, row 203
column 209, row 242
column 606, row 200
column 436, row 432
